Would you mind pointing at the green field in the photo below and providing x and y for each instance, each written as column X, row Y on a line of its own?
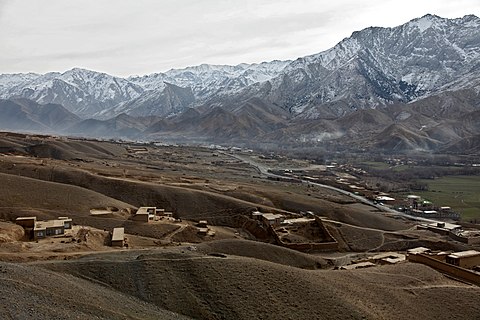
column 462, row 193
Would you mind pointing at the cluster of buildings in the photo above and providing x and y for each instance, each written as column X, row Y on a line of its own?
column 305, row 234
column 378, row 259
column 469, row 259
column 41, row 229
column 464, row 265
column 137, row 149
column 203, row 229
column 268, row 219
column 148, row 214
column 454, row 231
column 424, row 208
column 37, row 229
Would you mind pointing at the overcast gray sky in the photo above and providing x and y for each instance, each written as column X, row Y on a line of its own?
column 123, row 37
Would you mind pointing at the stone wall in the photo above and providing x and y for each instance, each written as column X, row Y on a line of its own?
column 461, row 273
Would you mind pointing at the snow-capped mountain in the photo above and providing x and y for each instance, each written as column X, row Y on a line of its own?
column 206, row 80
column 378, row 66
column 167, row 100
column 373, row 68
column 81, row 91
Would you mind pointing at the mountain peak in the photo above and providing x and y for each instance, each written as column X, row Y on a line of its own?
column 426, row 22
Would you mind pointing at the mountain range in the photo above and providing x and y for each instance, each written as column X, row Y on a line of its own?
column 411, row 87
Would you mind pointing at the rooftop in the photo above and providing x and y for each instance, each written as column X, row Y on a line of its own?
column 118, row 234
column 297, row 220
column 470, row 233
column 389, row 255
column 418, row 250
column 145, row 210
column 384, row 198
column 464, row 254
column 272, row 216
column 25, row 218
column 49, row 224
column 448, row 226
column 358, row 265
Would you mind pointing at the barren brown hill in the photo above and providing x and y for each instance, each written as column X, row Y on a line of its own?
column 30, row 292
column 121, row 126
column 263, row 251
column 222, row 124
column 48, row 200
column 363, row 121
column 215, row 287
column 469, row 145
column 62, row 149
column 398, row 138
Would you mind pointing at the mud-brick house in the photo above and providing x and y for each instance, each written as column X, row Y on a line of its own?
column 42, row 229
column 146, row 214
column 464, row 259
column 118, row 237
column 48, row 228
column 26, row 222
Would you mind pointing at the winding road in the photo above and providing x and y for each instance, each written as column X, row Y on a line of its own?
column 264, row 170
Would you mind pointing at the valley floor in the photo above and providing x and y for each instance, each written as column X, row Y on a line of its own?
column 171, row 271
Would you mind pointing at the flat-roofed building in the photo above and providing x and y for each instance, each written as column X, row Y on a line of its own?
column 48, row 228
column 67, row 222
column 202, row 231
column 442, row 227
column 388, row 258
column 202, row 224
column 118, row 237
column 384, row 198
column 360, row 265
column 418, row 250
column 42, row 229
column 144, row 213
column 257, row 215
column 26, row 222
column 272, row 219
column 464, row 259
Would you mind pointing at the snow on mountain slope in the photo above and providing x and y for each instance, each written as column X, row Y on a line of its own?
column 81, row 91
column 379, row 66
column 205, row 80
column 11, row 80
column 165, row 101
column 372, row 68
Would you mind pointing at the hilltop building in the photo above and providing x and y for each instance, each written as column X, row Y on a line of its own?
column 268, row 219
column 146, row 214
column 118, row 237
column 464, row 259
column 42, row 229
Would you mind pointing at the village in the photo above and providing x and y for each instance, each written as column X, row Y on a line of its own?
column 305, row 232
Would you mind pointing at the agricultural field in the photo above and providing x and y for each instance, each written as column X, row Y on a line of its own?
column 462, row 193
